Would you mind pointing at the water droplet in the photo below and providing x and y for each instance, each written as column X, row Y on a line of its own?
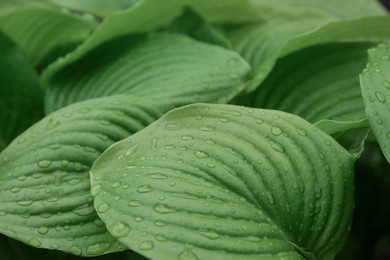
column 135, row 203
column 146, row 245
column 35, row 242
column 161, row 237
column 25, row 202
column 201, row 155
column 116, row 184
column 154, row 143
column 145, row 189
column 84, row 110
column 302, row 132
column 187, row 137
column 317, row 191
column 103, row 207
column 230, row 112
column 211, row 165
column 327, row 142
column 95, row 190
column 98, row 248
column 270, row 198
column 379, row 121
column 252, row 239
column 276, row 130
column 160, row 223
column 388, row 136
column 380, row 96
column 206, row 128
column 187, row 254
column 15, row 189
column 44, row 163
column 386, row 84
column 43, row 230
column 170, row 147
column 210, row 235
column 119, row 229
column 3, row 213
column 172, row 126
column 76, row 250
column 163, row 209
column 51, row 124
column 233, row 62
column 132, row 150
column 276, row 146
column 158, row 176
column 385, row 57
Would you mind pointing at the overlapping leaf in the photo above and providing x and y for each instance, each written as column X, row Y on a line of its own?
column 261, row 44
column 21, row 102
column 223, row 182
column 44, row 33
column 337, row 9
column 167, row 66
column 44, row 173
column 375, row 86
column 317, row 83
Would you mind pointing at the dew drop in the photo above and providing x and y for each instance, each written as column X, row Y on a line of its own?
column 35, row 242
column 103, row 207
column 233, row 62
column 276, row 130
column 379, row 122
column 84, row 110
column 386, row 84
column 95, row 190
column 135, row 203
column 302, row 132
column 187, row 254
column 206, row 128
column 44, row 163
column 230, row 170
column 76, row 250
column 145, row 189
column 163, row 209
column 98, row 248
column 276, row 146
column 210, row 235
column 270, row 198
column 132, row 150
column 146, row 245
column 187, row 137
column 154, row 143
column 380, row 97
column 25, row 202
column 161, row 238
column 158, row 176
column 201, row 155
column 119, row 229
column 51, row 124
column 43, row 230
column 317, row 191
column 116, row 184
column 171, row 126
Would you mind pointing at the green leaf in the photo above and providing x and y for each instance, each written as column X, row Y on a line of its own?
column 316, row 83
column 97, row 7
column 192, row 24
column 140, row 18
column 21, row 100
column 375, row 86
column 35, row 30
column 166, row 66
column 350, row 134
column 44, row 173
column 226, row 182
column 335, row 8
column 262, row 44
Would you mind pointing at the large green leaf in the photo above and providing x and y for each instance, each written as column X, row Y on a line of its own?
column 337, row 9
column 140, row 18
column 45, row 33
column 21, row 100
column 261, row 44
column 163, row 65
column 44, row 173
column 97, row 7
column 375, row 85
column 226, row 182
column 321, row 82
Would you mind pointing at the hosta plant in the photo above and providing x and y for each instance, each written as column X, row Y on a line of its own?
column 186, row 129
